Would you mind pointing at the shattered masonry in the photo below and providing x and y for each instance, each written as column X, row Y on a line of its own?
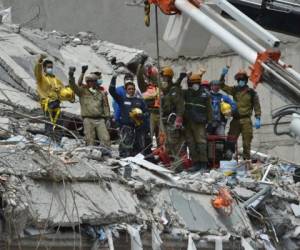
column 75, row 197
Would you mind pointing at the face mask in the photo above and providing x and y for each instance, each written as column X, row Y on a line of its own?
column 164, row 85
column 92, row 90
column 99, row 82
column 49, row 71
column 196, row 87
column 241, row 83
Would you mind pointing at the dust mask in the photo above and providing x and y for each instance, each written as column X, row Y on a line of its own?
column 99, row 82
column 164, row 85
column 241, row 83
column 196, row 87
column 49, row 71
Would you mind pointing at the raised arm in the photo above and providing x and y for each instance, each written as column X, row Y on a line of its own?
column 72, row 84
column 38, row 69
column 141, row 79
column 112, row 89
column 84, row 68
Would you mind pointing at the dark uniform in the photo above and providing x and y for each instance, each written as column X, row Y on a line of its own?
column 172, row 107
column 133, row 136
column 198, row 112
column 247, row 100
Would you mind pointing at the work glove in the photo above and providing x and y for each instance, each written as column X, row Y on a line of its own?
column 72, row 71
column 225, row 71
column 182, row 75
column 113, row 61
column 257, row 123
column 178, row 122
column 42, row 57
column 84, row 68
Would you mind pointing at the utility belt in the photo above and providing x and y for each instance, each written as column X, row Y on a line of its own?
column 52, row 108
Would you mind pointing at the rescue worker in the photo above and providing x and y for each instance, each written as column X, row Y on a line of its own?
column 92, row 103
column 147, row 83
column 172, row 112
column 198, row 112
column 247, row 100
column 133, row 119
column 223, row 107
column 99, row 87
column 122, row 92
column 51, row 92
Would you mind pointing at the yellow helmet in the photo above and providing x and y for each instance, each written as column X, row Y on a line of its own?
column 225, row 108
column 195, row 78
column 67, row 94
column 167, row 71
column 136, row 115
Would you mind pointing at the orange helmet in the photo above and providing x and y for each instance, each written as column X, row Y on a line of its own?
column 241, row 75
column 195, row 78
column 167, row 71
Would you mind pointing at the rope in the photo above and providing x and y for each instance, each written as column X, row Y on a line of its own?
column 159, row 69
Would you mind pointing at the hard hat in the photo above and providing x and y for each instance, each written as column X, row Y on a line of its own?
column 67, row 94
column 225, row 108
column 136, row 115
column 241, row 75
column 91, row 78
column 167, row 71
column 195, row 78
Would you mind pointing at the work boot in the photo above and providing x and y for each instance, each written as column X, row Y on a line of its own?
column 198, row 166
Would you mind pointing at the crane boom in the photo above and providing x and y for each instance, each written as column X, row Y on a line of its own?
column 266, row 66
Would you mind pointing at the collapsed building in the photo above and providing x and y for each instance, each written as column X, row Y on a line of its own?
column 73, row 197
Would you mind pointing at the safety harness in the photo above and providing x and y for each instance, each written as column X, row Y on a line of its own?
column 54, row 112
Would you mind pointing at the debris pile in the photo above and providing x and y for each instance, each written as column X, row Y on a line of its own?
column 69, row 196
column 88, row 196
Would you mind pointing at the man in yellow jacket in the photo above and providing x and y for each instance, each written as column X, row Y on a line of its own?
column 51, row 92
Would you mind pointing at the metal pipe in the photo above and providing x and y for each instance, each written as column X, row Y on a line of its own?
column 251, row 42
column 248, row 23
column 209, row 24
column 256, row 199
column 279, row 77
column 290, row 70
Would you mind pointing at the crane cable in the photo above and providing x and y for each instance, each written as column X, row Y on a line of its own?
column 162, row 129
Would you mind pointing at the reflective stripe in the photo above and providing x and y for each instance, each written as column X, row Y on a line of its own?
column 194, row 104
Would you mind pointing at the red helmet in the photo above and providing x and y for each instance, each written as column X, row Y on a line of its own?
column 205, row 84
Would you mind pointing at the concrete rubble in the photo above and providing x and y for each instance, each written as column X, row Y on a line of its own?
column 69, row 196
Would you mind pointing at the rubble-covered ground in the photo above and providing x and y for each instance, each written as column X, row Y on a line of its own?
column 70, row 196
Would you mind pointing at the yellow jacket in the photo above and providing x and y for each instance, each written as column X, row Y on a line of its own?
column 48, row 87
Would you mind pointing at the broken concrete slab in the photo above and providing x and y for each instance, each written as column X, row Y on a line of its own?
column 296, row 209
column 196, row 213
column 5, row 130
column 243, row 193
column 11, row 95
